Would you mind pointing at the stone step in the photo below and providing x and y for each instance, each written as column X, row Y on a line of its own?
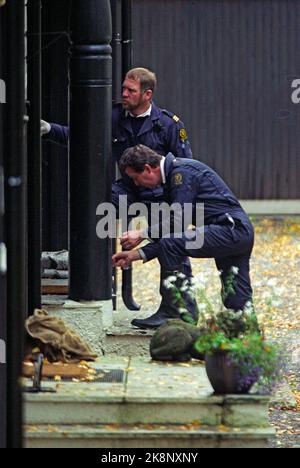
column 100, row 409
column 145, row 393
column 118, row 410
column 129, row 436
column 107, row 332
column 149, row 393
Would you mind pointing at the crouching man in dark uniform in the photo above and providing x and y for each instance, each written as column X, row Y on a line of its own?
column 227, row 230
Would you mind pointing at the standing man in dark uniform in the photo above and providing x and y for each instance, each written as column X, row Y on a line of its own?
column 137, row 120
column 228, row 235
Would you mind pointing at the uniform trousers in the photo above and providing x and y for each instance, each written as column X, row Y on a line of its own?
column 230, row 246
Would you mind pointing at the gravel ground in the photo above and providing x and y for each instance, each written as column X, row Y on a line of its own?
column 276, row 284
column 285, row 415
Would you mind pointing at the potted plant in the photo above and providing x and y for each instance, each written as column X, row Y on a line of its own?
column 234, row 365
column 237, row 354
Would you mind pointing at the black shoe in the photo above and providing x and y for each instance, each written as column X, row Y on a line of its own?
column 168, row 309
column 155, row 320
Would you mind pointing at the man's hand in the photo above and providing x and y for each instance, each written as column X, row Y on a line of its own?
column 131, row 239
column 125, row 259
column 45, row 127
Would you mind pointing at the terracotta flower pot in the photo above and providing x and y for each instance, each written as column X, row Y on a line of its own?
column 224, row 377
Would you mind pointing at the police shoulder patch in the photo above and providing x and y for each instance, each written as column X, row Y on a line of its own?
column 178, row 179
column 183, row 135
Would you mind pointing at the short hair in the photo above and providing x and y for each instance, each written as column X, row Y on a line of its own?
column 137, row 157
column 146, row 78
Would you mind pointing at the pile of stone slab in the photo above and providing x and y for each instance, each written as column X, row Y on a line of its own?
column 55, row 265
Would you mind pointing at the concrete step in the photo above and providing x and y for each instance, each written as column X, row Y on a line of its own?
column 148, row 394
column 105, row 410
column 107, row 332
column 100, row 409
column 129, row 436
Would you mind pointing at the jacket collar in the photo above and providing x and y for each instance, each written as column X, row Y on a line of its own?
column 169, row 165
column 162, row 170
column 148, row 124
column 145, row 114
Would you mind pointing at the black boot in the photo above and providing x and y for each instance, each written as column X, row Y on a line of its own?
column 170, row 307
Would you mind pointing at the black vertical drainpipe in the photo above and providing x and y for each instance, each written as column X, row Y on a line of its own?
column 90, row 148
column 3, row 265
column 117, row 49
column 16, row 210
column 116, row 12
column 34, row 153
column 3, row 308
column 127, row 50
column 127, row 60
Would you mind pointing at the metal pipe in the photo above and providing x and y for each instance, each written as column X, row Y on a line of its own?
column 127, row 40
column 116, row 12
column 16, row 211
column 127, row 60
column 127, row 290
column 90, row 148
column 3, row 266
column 34, row 154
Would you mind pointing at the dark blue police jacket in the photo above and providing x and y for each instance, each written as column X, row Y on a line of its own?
column 162, row 131
column 190, row 181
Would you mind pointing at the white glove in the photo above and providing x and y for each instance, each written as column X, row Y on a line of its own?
column 45, row 127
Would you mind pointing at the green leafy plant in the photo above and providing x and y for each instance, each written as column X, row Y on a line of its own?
column 235, row 333
column 238, row 335
column 256, row 360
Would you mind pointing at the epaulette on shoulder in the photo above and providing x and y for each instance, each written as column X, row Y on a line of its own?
column 171, row 115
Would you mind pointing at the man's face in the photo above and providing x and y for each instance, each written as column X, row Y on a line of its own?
column 132, row 97
column 149, row 178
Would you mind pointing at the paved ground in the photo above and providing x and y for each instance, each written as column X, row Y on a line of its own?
column 276, row 282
